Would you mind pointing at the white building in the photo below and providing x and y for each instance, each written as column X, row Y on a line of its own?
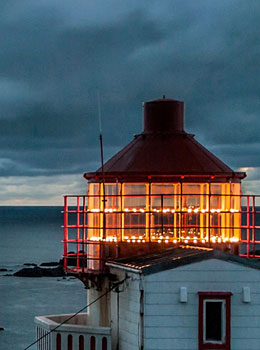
column 184, row 298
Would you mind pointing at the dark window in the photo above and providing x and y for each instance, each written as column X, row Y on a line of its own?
column 92, row 343
column 81, row 342
column 214, row 320
column 104, row 343
column 69, row 342
column 58, row 342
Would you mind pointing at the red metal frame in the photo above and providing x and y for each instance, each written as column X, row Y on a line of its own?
column 250, row 217
column 217, row 296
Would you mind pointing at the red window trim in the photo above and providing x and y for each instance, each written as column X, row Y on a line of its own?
column 219, row 296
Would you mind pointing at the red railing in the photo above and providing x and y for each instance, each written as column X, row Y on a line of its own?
column 83, row 249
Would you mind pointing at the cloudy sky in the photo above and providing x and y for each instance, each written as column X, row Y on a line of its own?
column 56, row 55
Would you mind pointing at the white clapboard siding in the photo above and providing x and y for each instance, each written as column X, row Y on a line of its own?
column 170, row 324
column 129, row 315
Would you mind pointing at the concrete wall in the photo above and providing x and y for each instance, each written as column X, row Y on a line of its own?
column 170, row 324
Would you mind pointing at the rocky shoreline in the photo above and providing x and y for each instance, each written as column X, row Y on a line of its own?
column 46, row 269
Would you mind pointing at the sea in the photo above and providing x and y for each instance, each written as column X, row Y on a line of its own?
column 32, row 235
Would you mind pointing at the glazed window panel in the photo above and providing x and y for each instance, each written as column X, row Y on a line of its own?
column 134, row 225
column 94, row 192
column 165, row 201
column 112, row 192
column 191, row 197
column 134, row 196
column 163, row 196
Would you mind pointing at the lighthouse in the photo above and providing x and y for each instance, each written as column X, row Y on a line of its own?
column 159, row 219
column 163, row 188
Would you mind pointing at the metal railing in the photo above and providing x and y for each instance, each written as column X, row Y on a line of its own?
column 76, row 334
column 207, row 219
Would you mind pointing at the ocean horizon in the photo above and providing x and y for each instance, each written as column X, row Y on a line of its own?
column 32, row 234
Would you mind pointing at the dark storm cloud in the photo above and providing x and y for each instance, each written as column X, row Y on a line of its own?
column 54, row 58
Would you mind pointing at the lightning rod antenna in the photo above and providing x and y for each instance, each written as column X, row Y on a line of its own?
column 102, row 165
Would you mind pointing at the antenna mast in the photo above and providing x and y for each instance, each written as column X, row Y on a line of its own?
column 102, row 166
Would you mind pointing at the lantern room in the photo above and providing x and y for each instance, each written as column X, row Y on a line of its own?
column 163, row 188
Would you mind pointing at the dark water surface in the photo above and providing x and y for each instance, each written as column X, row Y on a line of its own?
column 32, row 235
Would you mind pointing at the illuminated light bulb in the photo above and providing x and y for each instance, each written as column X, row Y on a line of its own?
column 126, row 209
column 188, row 237
column 142, row 210
column 128, row 240
column 133, row 237
column 219, row 240
column 134, row 210
column 133, row 240
column 140, row 237
column 175, row 241
column 126, row 237
column 218, row 210
column 158, row 211
column 232, row 210
column 166, row 241
column 161, row 237
column 189, row 210
column 154, row 209
column 138, row 240
column 153, row 237
column 203, row 210
column 196, row 210
column 185, row 241
column 203, row 241
column 167, row 237
column 143, row 240
column 195, row 241
column 213, row 240
column 95, row 210
column 173, row 211
column 159, row 241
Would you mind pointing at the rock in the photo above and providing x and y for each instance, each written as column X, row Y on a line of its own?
column 40, row 272
column 53, row 272
column 29, row 264
column 2, row 329
column 51, row 263
column 29, row 272
column 3, row 270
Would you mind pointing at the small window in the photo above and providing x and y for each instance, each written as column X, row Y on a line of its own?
column 70, row 342
column 58, row 342
column 92, row 343
column 81, row 342
column 214, row 320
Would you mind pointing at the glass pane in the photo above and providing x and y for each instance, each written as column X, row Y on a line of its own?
column 134, row 196
column 213, row 320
